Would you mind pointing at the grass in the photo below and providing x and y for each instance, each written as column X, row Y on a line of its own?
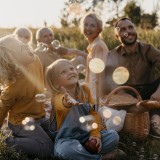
column 148, row 149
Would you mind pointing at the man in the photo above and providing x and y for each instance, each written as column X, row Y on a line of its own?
column 139, row 58
column 45, row 36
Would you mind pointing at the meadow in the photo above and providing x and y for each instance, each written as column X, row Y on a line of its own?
column 72, row 38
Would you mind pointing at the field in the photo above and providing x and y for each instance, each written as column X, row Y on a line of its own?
column 71, row 37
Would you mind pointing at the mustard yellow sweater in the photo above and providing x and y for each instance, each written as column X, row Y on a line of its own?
column 61, row 110
column 18, row 99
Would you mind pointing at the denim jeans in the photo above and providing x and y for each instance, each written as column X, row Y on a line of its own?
column 71, row 137
column 35, row 142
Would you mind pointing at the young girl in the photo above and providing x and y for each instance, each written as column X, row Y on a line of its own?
column 72, row 101
column 91, row 27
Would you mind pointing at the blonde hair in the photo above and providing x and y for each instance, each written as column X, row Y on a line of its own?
column 23, row 32
column 9, row 69
column 51, row 75
column 93, row 16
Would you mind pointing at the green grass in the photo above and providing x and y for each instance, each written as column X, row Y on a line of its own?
column 148, row 149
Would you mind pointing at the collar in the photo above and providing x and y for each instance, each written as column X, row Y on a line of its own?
column 121, row 50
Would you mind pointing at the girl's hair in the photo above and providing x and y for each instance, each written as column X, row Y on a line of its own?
column 95, row 17
column 51, row 75
column 23, row 32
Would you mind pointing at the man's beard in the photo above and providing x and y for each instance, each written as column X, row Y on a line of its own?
column 129, row 43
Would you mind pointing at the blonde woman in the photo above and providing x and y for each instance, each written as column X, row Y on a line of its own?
column 22, row 76
column 91, row 27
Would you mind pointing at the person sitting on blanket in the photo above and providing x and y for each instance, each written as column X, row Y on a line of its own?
column 72, row 101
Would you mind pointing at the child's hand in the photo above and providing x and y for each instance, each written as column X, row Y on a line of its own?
column 68, row 100
column 98, row 144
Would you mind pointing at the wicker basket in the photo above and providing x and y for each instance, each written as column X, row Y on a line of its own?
column 136, row 123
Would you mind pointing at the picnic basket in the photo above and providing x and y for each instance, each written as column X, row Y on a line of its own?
column 137, row 121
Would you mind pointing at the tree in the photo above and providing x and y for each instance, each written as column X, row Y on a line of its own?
column 133, row 12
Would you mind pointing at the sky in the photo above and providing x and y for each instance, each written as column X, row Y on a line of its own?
column 33, row 13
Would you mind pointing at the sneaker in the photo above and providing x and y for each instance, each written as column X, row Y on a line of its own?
column 115, row 154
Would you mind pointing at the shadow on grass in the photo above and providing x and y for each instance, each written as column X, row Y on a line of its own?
column 136, row 149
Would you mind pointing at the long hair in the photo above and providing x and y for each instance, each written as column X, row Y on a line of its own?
column 51, row 76
column 93, row 16
column 9, row 69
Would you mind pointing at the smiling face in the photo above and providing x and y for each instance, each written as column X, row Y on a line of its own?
column 90, row 28
column 125, row 32
column 67, row 75
column 45, row 35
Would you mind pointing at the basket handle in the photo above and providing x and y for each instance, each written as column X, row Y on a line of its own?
column 125, row 88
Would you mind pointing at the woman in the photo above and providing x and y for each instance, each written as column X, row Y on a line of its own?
column 91, row 27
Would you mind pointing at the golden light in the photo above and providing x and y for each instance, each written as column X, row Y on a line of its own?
column 96, row 65
column 94, row 125
column 107, row 113
column 120, row 75
column 117, row 120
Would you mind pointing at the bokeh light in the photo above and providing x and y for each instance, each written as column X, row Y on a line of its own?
column 120, row 75
column 40, row 97
column 107, row 113
column 28, row 124
column 86, row 118
column 117, row 120
column 96, row 65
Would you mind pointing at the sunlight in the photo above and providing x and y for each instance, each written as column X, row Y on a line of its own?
column 30, row 12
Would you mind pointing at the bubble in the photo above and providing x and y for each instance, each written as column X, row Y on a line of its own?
column 134, row 144
column 40, row 97
column 126, row 34
column 107, row 113
column 96, row 65
column 142, row 149
column 155, row 156
column 117, row 120
column 120, row 75
column 141, row 156
column 55, row 44
column 42, row 47
column 81, row 68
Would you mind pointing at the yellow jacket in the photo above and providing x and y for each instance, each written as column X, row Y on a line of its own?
column 18, row 99
column 61, row 110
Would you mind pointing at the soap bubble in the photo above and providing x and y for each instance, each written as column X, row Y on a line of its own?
column 55, row 44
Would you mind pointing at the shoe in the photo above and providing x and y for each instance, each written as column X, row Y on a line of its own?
column 115, row 154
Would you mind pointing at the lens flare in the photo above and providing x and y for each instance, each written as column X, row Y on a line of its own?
column 107, row 113
column 120, row 75
column 96, row 65
column 117, row 120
